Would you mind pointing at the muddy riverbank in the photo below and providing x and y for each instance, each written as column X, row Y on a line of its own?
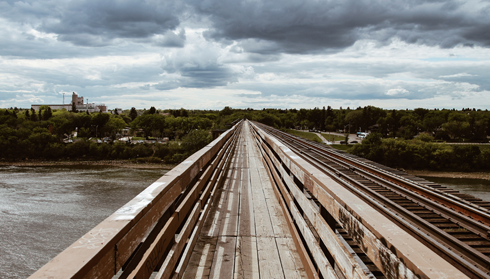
column 109, row 163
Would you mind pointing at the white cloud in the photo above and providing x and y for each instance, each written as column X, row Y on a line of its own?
column 397, row 92
column 457, row 75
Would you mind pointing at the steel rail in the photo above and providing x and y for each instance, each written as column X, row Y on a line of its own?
column 378, row 243
column 475, row 263
column 441, row 241
column 458, row 204
column 472, row 225
column 479, row 228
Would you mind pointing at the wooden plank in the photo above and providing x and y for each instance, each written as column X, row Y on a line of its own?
column 263, row 223
column 279, row 224
column 156, row 250
column 224, row 258
column 281, row 192
column 166, row 270
column 290, row 260
column 212, row 224
column 229, row 225
column 199, row 265
column 321, row 260
column 246, row 258
column 246, row 226
column 269, row 261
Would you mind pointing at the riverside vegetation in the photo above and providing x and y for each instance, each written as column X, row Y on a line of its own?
column 402, row 138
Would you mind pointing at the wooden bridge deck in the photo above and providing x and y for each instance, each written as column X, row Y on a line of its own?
column 218, row 215
column 245, row 234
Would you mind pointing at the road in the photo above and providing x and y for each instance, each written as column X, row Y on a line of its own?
column 352, row 137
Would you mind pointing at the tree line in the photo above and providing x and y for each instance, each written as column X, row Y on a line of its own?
column 466, row 125
column 42, row 134
column 407, row 134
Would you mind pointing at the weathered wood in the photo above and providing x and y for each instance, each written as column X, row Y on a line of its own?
column 84, row 257
column 200, row 262
column 246, row 226
column 285, row 199
column 246, row 258
column 387, row 245
column 224, row 258
column 263, row 224
column 346, row 262
column 269, row 261
column 290, row 260
column 321, row 260
column 156, row 250
column 166, row 270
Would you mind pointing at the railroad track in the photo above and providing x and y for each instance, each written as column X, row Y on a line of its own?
column 453, row 225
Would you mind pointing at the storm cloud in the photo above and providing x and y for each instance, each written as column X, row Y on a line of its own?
column 287, row 53
column 297, row 26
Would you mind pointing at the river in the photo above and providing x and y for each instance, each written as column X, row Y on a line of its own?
column 479, row 188
column 43, row 210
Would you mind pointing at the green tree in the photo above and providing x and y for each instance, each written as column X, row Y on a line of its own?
column 195, row 140
column 47, row 114
column 133, row 114
column 33, row 115
column 456, row 129
column 226, row 111
column 354, row 118
column 113, row 126
column 152, row 110
column 149, row 123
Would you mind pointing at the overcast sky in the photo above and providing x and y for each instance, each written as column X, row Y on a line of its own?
column 209, row 54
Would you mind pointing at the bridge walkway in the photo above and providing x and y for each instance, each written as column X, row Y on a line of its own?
column 245, row 234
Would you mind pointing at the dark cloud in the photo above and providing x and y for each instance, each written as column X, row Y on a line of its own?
column 297, row 26
column 170, row 39
column 263, row 26
column 97, row 23
column 198, row 76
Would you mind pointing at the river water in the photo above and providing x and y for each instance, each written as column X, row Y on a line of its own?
column 43, row 210
column 479, row 188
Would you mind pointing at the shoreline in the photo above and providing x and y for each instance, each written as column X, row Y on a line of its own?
column 448, row 174
column 108, row 163
column 129, row 164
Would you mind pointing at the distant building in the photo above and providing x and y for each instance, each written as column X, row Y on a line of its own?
column 79, row 105
column 67, row 107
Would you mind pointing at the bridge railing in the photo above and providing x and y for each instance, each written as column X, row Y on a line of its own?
column 159, row 227
column 314, row 203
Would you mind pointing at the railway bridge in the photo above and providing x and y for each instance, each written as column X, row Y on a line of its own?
column 259, row 203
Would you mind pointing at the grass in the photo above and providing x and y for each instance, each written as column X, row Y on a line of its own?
column 484, row 147
column 343, row 147
column 305, row 135
column 330, row 137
